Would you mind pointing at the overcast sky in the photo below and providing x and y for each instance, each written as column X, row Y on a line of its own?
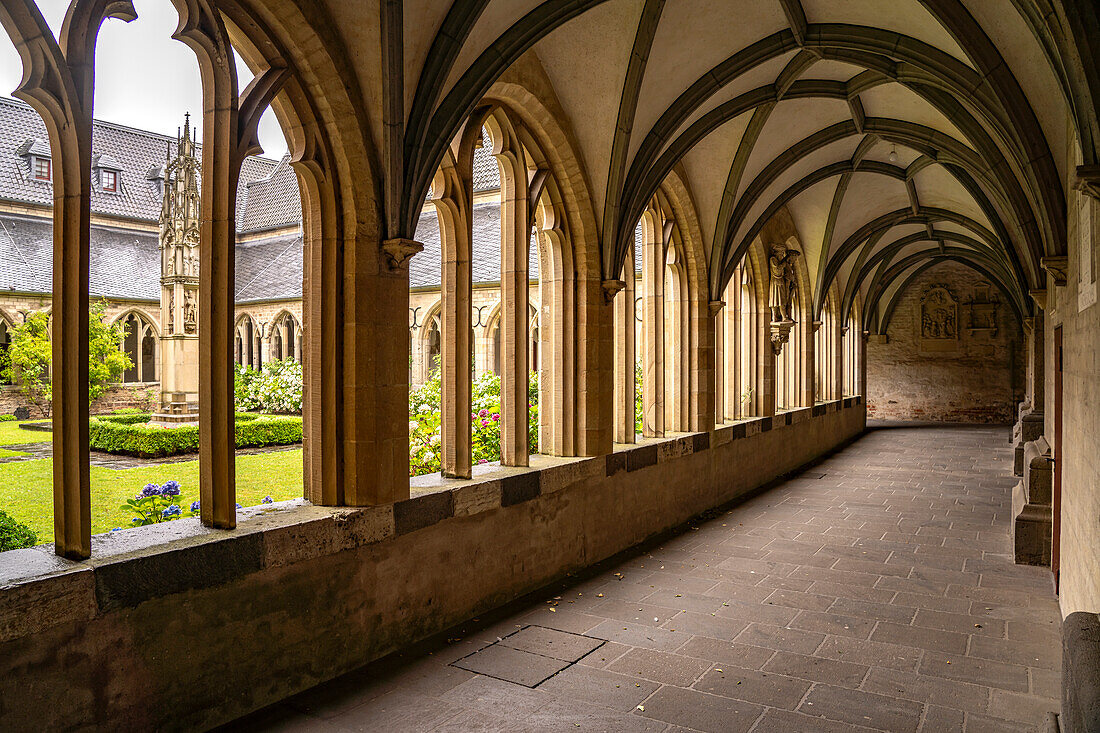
column 143, row 78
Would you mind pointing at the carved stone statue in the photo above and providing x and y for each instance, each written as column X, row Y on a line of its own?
column 783, row 283
column 190, row 313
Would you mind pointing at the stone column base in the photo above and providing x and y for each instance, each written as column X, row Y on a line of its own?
column 1032, row 529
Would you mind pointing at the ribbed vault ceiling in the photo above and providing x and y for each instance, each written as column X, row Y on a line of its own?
column 895, row 134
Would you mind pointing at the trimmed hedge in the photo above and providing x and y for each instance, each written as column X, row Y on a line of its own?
column 132, row 418
column 111, row 436
column 15, row 535
column 7, row 418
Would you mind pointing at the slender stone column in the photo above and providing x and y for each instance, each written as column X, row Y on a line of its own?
column 625, row 354
column 718, row 365
column 836, row 374
column 455, row 346
column 731, row 363
column 808, row 366
column 767, row 365
column 653, row 336
column 515, row 244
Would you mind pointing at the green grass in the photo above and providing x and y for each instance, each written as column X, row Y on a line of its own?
column 12, row 434
column 26, row 487
column 5, row 453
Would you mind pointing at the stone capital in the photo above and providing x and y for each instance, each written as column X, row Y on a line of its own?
column 1088, row 180
column 399, row 251
column 714, row 306
column 1056, row 267
column 817, row 326
column 611, row 288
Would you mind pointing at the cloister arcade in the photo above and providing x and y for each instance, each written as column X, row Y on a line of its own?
column 652, row 159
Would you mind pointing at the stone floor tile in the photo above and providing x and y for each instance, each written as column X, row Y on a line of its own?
column 1027, row 653
column 706, row 624
column 638, row 635
column 663, row 667
column 862, row 708
column 395, row 710
column 1022, row 707
column 511, row 665
column 960, row 623
column 835, row 624
column 766, row 688
column 871, row 653
column 988, row 724
column 604, row 655
column 473, row 721
column 920, row 637
column 804, row 601
column 817, row 669
column 725, row 652
column 942, row 720
column 636, row 612
column 551, row 643
column 671, row 598
column 789, row 721
column 874, row 611
column 492, row 696
column 700, row 711
column 780, row 639
column 977, row 671
column 566, row 715
column 619, row 692
column 934, row 690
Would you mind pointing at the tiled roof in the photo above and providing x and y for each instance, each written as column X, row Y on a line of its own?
column 124, row 263
column 133, row 152
column 424, row 268
column 270, row 202
column 269, row 269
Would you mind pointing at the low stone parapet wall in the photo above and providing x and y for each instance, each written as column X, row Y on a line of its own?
column 142, row 396
column 177, row 626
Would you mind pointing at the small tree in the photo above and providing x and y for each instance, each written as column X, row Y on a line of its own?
column 30, row 352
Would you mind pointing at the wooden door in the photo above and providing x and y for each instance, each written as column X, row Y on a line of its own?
column 1056, row 507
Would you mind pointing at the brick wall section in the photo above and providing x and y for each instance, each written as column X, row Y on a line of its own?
column 981, row 381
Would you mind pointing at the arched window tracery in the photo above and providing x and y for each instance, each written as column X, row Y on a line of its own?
column 140, row 344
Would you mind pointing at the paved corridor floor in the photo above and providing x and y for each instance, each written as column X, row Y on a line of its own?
column 875, row 590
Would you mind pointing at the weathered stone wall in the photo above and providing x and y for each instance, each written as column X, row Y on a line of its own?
column 144, row 395
column 1074, row 308
column 179, row 627
column 977, row 378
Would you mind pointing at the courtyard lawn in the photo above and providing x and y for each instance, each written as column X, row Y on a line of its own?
column 12, row 434
column 5, row 453
column 26, row 487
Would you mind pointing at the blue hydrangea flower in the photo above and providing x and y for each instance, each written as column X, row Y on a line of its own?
column 116, row 529
column 170, row 488
column 194, row 506
column 135, row 520
column 239, row 506
column 267, row 500
column 150, row 490
column 171, row 511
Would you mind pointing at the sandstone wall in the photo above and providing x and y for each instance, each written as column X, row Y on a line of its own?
column 977, row 378
column 1074, row 308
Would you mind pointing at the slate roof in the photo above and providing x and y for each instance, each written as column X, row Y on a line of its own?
column 124, row 263
column 424, row 268
column 269, row 269
column 135, row 153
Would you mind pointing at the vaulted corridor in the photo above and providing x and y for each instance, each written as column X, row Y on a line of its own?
column 873, row 590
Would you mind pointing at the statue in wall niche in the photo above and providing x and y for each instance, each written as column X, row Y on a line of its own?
column 783, row 282
column 939, row 314
column 190, row 313
column 171, row 322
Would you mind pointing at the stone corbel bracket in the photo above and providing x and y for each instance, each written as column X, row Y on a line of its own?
column 1057, row 267
column 780, row 334
column 715, row 306
column 611, row 288
column 1040, row 298
column 399, row 251
column 1088, row 180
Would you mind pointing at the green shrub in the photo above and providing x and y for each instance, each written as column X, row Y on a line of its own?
column 127, row 419
column 15, row 535
column 245, row 416
column 129, row 411
column 276, row 387
column 7, row 418
column 155, row 442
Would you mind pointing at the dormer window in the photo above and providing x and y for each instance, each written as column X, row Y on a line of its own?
column 43, row 169
column 107, row 171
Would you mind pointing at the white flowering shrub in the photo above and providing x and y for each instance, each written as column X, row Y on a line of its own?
column 276, row 387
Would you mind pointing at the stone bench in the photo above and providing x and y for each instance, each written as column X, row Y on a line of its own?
column 1031, row 506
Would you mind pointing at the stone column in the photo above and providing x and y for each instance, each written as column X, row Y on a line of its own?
column 836, row 374
column 455, row 344
column 808, row 366
column 515, row 245
column 704, row 404
column 625, row 354
column 731, row 364
column 718, row 365
column 766, row 362
column 653, row 336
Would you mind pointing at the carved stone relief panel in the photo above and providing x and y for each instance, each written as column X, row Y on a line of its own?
column 939, row 320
